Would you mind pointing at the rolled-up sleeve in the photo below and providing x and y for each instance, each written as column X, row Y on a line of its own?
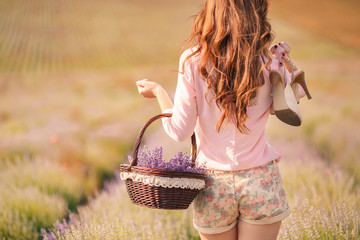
column 184, row 112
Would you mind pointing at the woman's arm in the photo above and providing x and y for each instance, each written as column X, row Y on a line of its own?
column 184, row 110
column 149, row 89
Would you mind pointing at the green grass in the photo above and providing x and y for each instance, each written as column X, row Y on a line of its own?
column 43, row 208
column 48, row 176
column 315, row 222
column 14, row 224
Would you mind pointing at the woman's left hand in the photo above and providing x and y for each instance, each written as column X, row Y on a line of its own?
column 147, row 88
column 282, row 52
column 278, row 49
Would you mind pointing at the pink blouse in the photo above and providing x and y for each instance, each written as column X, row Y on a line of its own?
column 228, row 149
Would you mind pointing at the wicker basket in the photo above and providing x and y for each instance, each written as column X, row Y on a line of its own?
column 156, row 195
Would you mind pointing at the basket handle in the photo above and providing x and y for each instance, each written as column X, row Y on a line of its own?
column 141, row 134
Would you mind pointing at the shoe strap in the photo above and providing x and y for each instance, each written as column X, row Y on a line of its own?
column 292, row 69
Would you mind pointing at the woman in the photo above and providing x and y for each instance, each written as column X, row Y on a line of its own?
column 224, row 95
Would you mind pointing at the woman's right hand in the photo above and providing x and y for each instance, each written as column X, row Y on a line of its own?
column 147, row 88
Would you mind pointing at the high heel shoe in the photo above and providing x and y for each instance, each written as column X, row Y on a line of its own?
column 284, row 101
column 298, row 79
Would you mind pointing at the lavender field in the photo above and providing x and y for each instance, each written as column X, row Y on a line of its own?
column 70, row 113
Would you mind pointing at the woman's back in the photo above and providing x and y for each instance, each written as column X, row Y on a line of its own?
column 227, row 149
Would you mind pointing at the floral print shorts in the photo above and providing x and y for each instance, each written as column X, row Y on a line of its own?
column 256, row 196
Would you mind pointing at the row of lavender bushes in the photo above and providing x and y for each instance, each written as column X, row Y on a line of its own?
column 37, row 191
column 113, row 216
column 323, row 200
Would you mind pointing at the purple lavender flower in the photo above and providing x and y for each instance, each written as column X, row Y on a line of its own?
column 134, row 225
column 51, row 235
column 43, row 232
column 65, row 223
column 72, row 220
column 60, row 227
column 154, row 159
column 107, row 186
column 105, row 215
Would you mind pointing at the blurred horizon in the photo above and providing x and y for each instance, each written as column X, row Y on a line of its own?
column 53, row 36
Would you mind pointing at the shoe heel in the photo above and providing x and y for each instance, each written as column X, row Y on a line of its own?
column 284, row 102
column 299, row 79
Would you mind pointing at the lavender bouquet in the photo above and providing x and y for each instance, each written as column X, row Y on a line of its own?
column 165, row 189
column 154, row 159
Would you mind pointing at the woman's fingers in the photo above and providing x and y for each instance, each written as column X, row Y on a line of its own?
column 273, row 48
column 279, row 49
column 142, row 82
column 286, row 46
column 146, row 88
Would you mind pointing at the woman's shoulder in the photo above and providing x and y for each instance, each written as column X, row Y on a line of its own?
column 191, row 54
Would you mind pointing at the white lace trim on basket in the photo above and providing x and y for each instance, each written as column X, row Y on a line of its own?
column 156, row 181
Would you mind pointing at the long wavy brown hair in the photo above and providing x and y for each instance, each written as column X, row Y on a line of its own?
column 232, row 37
